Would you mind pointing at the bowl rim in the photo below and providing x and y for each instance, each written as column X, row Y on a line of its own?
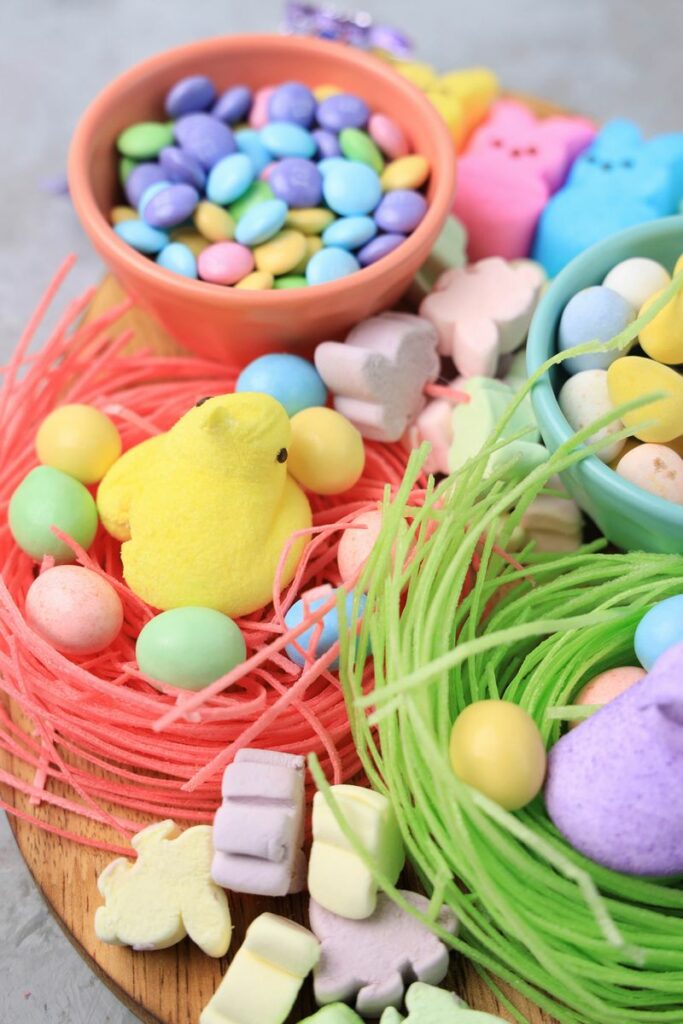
column 158, row 277
column 540, row 347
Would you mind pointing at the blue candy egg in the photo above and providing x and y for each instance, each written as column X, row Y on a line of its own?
column 659, row 629
column 249, row 142
column 178, row 258
column 593, row 314
column 330, row 264
column 328, row 635
column 230, row 178
column 351, row 188
column 293, row 381
column 350, row 232
column 141, row 236
column 283, row 138
column 261, row 222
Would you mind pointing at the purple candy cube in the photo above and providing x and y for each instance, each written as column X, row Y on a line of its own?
column 139, row 180
column 292, row 102
column 171, row 206
column 233, row 105
column 344, row 110
column 205, row 138
column 378, row 247
column 189, row 96
column 296, row 181
column 400, row 211
column 181, row 167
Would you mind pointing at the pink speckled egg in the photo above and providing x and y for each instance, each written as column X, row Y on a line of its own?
column 74, row 609
column 356, row 544
column 610, row 684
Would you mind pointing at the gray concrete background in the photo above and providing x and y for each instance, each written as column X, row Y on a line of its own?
column 602, row 57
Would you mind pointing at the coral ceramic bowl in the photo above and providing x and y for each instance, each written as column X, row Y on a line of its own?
column 238, row 325
column 630, row 517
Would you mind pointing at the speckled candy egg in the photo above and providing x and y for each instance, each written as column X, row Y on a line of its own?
column 608, row 685
column 74, row 609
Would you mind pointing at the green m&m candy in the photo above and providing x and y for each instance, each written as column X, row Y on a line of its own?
column 357, row 145
column 189, row 647
column 46, row 498
column 258, row 192
column 145, row 140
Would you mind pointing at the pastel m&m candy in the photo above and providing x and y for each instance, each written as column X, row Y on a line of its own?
column 225, row 263
column 293, row 381
column 282, row 253
column 351, row 188
column 660, row 628
column 78, row 440
column 46, row 498
column 74, row 609
column 179, row 258
column 326, row 453
column 330, row 264
column 261, row 222
column 189, row 647
column 388, row 136
column 230, row 178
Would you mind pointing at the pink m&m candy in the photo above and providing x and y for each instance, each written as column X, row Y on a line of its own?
column 388, row 136
column 74, row 609
column 225, row 263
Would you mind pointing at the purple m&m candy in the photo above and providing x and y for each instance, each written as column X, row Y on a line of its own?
column 139, row 180
column 327, row 142
column 400, row 211
column 297, row 181
column 233, row 105
column 343, row 110
column 292, row 102
column 205, row 138
column 377, row 248
column 190, row 95
column 181, row 167
column 171, row 206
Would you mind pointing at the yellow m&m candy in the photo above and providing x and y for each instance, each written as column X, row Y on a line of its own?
column 496, row 748
column 79, row 441
column 281, row 254
column 326, row 453
column 406, row 172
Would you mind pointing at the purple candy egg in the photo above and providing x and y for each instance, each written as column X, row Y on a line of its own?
column 189, row 95
column 139, row 180
column 292, row 102
column 171, row 206
column 205, row 138
column 344, row 110
column 182, row 168
column 378, row 247
column 297, row 181
column 327, row 142
column 400, row 211
column 233, row 105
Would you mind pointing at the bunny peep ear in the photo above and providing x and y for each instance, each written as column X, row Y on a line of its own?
column 573, row 133
column 617, row 135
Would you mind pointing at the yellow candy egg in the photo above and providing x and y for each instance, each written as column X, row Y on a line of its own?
column 496, row 748
column 281, row 254
column 121, row 213
column 406, row 172
column 310, row 220
column 80, row 441
column 191, row 238
column 213, row 222
column 662, row 339
column 326, row 453
column 631, row 377
column 256, row 281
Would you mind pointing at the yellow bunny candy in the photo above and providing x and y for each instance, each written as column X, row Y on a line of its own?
column 206, row 509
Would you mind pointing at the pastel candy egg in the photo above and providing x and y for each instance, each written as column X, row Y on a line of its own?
column 144, row 140
column 342, row 110
column 290, row 281
column 298, row 182
column 326, row 453
column 633, row 377
column 350, row 232
column 189, row 95
column 293, row 381
column 258, row 192
column 171, row 206
column 283, row 138
column 351, row 189
column 142, row 236
column 312, row 221
column 609, row 685
column 662, row 338
column 230, row 178
column 258, row 280
column 319, row 637
column 327, row 143
column 282, row 253
column 189, row 647
column 249, row 142
column 379, row 247
column 258, row 115
column 400, row 211
column 179, row 259
column 261, row 222
column 179, row 166
column 139, row 180
column 225, row 263
column 660, row 628
column 593, row 314
column 78, row 440
column 388, row 136
column 583, row 399
column 656, row 469
column 496, row 748
column 357, row 542
column 195, row 242
column 205, row 138
column 233, row 105
column 75, row 609
column 213, row 222
column 330, row 264
column 636, row 279
column 407, row 172
column 293, row 102
column 118, row 214
column 357, row 145
column 46, row 498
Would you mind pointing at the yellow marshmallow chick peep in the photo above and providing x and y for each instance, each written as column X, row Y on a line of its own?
column 205, row 510
column 166, row 894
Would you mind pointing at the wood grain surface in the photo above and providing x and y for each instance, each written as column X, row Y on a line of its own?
column 169, row 986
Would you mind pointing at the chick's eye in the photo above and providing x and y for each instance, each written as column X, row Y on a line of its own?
column 282, row 455
column 201, row 401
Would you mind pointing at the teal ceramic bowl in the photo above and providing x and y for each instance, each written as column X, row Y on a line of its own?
column 628, row 516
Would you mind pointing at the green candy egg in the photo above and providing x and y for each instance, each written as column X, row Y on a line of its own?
column 144, row 140
column 357, row 145
column 189, row 647
column 46, row 498
column 126, row 165
column 290, row 281
column 257, row 192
